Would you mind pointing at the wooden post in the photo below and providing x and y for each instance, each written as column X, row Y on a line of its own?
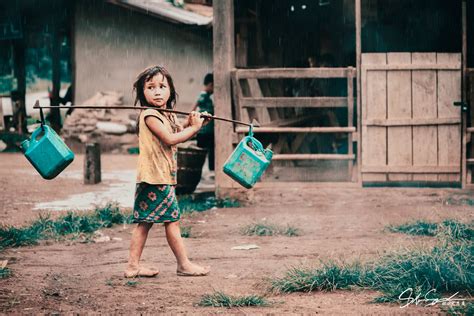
column 350, row 123
column 92, row 170
column 224, row 61
column 56, row 65
column 464, row 177
column 18, row 97
column 359, row 82
column 241, row 51
column 469, row 135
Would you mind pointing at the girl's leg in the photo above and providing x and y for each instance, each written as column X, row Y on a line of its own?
column 185, row 267
column 137, row 244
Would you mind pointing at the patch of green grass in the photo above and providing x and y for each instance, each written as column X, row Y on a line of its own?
column 203, row 202
column 259, row 229
column 16, row 237
column 4, row 273
column 291, row 231
column 449, row 228
column 220, row 299
column 70, row 224
column 453, row 229
column 459, row 201
column 267, row 229
column 329, row 277
column 418, row 228
column 131, row 283
column 109, row 282
column 466, row 309
column 186, row 231
column 446, row 268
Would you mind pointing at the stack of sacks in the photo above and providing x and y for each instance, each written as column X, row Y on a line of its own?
column 114, row 129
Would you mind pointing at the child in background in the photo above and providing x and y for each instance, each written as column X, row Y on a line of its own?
column 155, row 198
column 205, row 137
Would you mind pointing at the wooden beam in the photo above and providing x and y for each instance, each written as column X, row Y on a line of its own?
column 312, row 157
column 411, row 169
column 237, row 136
column 374, row 106
column 358, row 37
column 268, row 185
column 464, row 176
column 241, row 45
column 297, row 102
column 256, row 92
column 470, row 130
column 407, row 67
column 350, row 123
column 279, row 73
column 297, row 129
column 412, row 122
column 223, row 52
column 355, row 139
column 237, row 94
column 289, row 121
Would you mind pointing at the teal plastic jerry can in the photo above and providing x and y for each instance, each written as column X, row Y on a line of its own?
column 248, row 161
column 47, row 152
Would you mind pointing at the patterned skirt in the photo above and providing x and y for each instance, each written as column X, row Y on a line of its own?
column 155, row 203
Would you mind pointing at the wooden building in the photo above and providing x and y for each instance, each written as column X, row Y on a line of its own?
column 99, row 45
column 348, row 92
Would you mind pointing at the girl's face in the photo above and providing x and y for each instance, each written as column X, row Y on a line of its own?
column 157, row 91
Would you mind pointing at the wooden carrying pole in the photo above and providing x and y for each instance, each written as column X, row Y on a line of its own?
column 127, row 107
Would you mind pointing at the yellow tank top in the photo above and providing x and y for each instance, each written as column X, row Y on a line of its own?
column 157, row 162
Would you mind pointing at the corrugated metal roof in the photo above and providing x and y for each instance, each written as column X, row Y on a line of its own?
column 165, row 10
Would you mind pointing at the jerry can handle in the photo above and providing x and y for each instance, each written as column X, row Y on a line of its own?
column 44, row 128
column 256, row 145
column 250, row 130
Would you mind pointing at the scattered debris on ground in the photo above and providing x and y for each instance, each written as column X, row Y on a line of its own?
column 245, row 247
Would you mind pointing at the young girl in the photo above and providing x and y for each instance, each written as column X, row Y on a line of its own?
column 155, row 199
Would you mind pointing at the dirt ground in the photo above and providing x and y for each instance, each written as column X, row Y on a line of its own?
column 338, row 224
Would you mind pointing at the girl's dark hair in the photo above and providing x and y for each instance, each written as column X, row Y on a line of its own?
column 145, row 76
column 139, row 85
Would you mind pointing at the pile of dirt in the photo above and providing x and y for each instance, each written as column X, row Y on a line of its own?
column 113, row 129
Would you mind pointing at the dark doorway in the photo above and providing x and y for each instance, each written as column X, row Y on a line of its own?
column 35, row 54
column 411, row 26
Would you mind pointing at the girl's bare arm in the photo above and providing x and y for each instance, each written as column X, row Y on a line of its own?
column 170, row 139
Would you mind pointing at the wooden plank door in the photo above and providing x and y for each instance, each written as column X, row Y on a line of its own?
column 410, row 129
